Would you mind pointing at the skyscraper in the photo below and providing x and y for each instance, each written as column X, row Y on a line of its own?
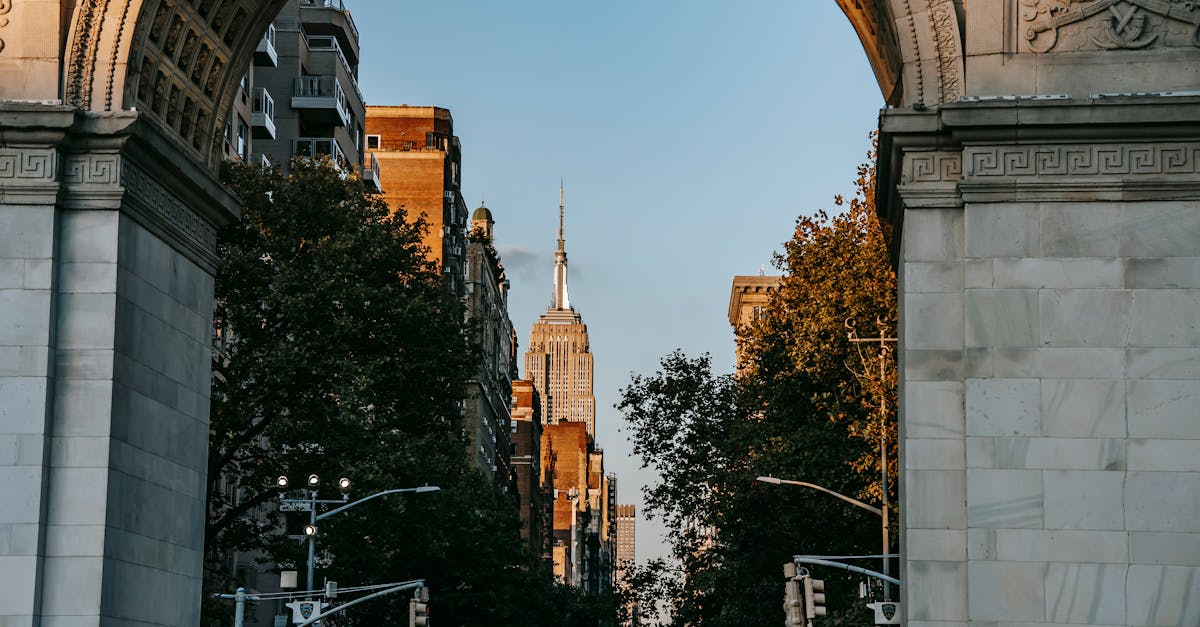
column 559, row 359
column 626, row 538
column 559, row 362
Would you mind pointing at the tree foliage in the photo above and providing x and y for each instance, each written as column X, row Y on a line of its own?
column 807, row 407
column 340, row 353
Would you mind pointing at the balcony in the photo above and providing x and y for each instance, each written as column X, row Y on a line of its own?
column 262, row 114
column 370, row 173
column 265, row 54
column 330, row 17
column 260, row 160
column 322, row 100
column 316, row 147
column 329, row 45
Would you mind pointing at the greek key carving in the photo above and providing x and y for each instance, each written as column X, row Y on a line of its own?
column 931, row 167
column 92, row 169
column 27, row 164
column 1074, row 25
column 5, row 7
column 141, row 188
column 1077, row 160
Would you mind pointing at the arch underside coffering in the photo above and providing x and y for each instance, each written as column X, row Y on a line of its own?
column 178, row 62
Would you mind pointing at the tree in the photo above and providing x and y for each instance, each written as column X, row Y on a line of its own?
column 805, row 408
column 340, row 353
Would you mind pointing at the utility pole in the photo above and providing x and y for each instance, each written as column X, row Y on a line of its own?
column 883, row 341
column 239, row 610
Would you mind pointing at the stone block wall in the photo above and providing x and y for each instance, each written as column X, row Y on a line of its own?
column 106, row 283
column 1050, row 425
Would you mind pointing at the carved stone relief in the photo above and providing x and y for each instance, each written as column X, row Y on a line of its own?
column 5, row 7
column 1083, row 160
column 149, row 195
column 1081, row 25
column 27, row 163
column 931, row 167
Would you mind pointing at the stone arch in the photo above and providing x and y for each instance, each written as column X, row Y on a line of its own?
column 177, row 61
column 915, row 47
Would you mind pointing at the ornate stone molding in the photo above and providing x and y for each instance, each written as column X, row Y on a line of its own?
column 1079, row 25
column 5, row 7
column 92, row 169
column 1083, row 160
column 161, row 210
column 32, row 164
column 946, row 40
column 931, row 167
column 85, row 42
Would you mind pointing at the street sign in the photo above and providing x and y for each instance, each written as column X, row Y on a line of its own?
column 886, row 612
column 295, row 506
column 304, row 610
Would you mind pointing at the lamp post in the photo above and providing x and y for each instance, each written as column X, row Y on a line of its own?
column 310, row 505
column 881, row 512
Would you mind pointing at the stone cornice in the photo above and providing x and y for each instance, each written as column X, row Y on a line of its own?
column 1109, row 149
column 78, row 160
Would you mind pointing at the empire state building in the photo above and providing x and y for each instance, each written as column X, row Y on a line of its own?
column 559, row 360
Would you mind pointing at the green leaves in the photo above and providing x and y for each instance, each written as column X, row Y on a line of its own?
column 341, row 354
column 807, row 408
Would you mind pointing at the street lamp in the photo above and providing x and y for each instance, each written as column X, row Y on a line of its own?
column 310, row 505
column 881, row 512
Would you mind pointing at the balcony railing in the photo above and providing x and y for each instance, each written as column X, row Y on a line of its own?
column 260, row 160
column 336, row 5
column 370, row 173
column 322, row 94
column 323, row 43
column 262, row 114
column 315, row 147
column 265, row 53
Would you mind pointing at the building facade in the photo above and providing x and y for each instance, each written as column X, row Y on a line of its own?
column 1039, row 167
column 486, row 414
column 559, row 363
column 533, row 476
column 419, row 160
column 749, row 299
column 300, row 97
column 626, row 546
column 559, row 358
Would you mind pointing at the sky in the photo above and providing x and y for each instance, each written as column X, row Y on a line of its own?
column 689, row 135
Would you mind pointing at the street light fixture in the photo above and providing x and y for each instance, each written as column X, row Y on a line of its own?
column 881, row 512
column 310, row 505
column 282, row 482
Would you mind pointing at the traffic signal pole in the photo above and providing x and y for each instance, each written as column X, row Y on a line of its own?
column 400, row 588
column 883, row 340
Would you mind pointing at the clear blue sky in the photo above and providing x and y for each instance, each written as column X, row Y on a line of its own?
column 690, row 135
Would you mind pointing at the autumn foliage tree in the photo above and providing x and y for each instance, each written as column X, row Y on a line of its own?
column 808, row 406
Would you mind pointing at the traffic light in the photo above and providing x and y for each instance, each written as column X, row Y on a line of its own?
column 418, row 613
column 814, row 597
column 793, row 604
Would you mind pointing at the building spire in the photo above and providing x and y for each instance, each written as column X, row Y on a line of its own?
column 561, row 300
column 560, row 215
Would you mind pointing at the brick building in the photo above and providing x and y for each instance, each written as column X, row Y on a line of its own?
column 420, row 170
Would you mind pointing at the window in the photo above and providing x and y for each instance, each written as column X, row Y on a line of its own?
column 373, row 142
column 243, row 139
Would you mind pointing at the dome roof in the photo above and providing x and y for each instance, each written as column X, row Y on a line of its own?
column 482, row 213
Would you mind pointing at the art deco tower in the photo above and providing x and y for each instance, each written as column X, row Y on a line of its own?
column 559, row 360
